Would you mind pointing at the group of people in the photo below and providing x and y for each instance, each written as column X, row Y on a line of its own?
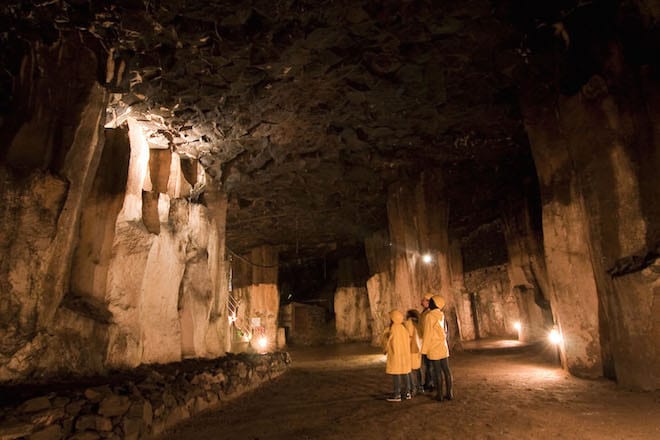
column 416, row 341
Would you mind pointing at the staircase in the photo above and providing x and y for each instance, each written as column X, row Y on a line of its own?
column 243, row 327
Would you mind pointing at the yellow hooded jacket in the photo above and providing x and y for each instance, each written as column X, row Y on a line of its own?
column 434, row 344
column 397, row 346
column 415, row 345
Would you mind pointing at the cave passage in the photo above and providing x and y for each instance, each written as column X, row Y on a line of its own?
column 189, row 189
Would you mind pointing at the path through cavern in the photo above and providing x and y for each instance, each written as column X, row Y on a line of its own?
column 338, row 392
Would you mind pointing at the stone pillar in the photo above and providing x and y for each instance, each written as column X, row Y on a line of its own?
column 526, row 268
column 255, row 287
column 378, row 249
column 418, row 224
column 573, row 292
column 218, row 337
column 351, row 302
column 461, row 296
column 597, row 152
column 164, row 289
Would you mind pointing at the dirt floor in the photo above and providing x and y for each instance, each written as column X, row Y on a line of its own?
column 338, row 392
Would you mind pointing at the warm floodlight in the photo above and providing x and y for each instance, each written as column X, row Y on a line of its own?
column 262, row 342
column 517, row 325
column 426, row 258
column 554, row 336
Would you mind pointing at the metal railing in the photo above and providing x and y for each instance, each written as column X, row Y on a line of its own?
column 240, row 324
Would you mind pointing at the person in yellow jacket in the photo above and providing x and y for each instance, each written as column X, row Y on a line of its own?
column 414, row 328
column 434, row 346
column 396, row 345
column 428, row 376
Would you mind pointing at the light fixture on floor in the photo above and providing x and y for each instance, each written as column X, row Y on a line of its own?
column 518, row 326
column 554, row 336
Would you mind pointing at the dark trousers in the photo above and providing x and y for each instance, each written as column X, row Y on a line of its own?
column 440, row 369
column 416, row 378
column 401, row 381
column 428, row 372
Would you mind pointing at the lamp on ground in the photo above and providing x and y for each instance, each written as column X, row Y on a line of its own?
column 518, row 326
column 556, row 339
column 262, row 342
column 426, row 258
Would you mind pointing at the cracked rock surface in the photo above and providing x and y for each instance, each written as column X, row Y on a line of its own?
column 305, row 111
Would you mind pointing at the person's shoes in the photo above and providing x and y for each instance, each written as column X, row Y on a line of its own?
column 420, row 390
column 408, row 396
column 439, row 398
column 449, row 396
column 394, row 399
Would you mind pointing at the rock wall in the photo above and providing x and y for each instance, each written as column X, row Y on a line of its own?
column 307, row 324
column 154, row 400
column 495, row 306
column 597, row 152
column 111, row 269
column 352, row 315
column 51, row 148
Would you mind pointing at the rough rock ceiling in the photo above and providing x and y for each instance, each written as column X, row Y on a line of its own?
column 305, row 111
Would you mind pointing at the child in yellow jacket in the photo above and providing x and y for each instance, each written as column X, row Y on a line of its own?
column 414, row 328
column 396, row 345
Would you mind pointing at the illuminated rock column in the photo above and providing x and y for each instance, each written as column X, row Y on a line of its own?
column 163, row 280
column 418, row 225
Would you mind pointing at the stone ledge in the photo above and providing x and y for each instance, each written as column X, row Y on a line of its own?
column 139, row 404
